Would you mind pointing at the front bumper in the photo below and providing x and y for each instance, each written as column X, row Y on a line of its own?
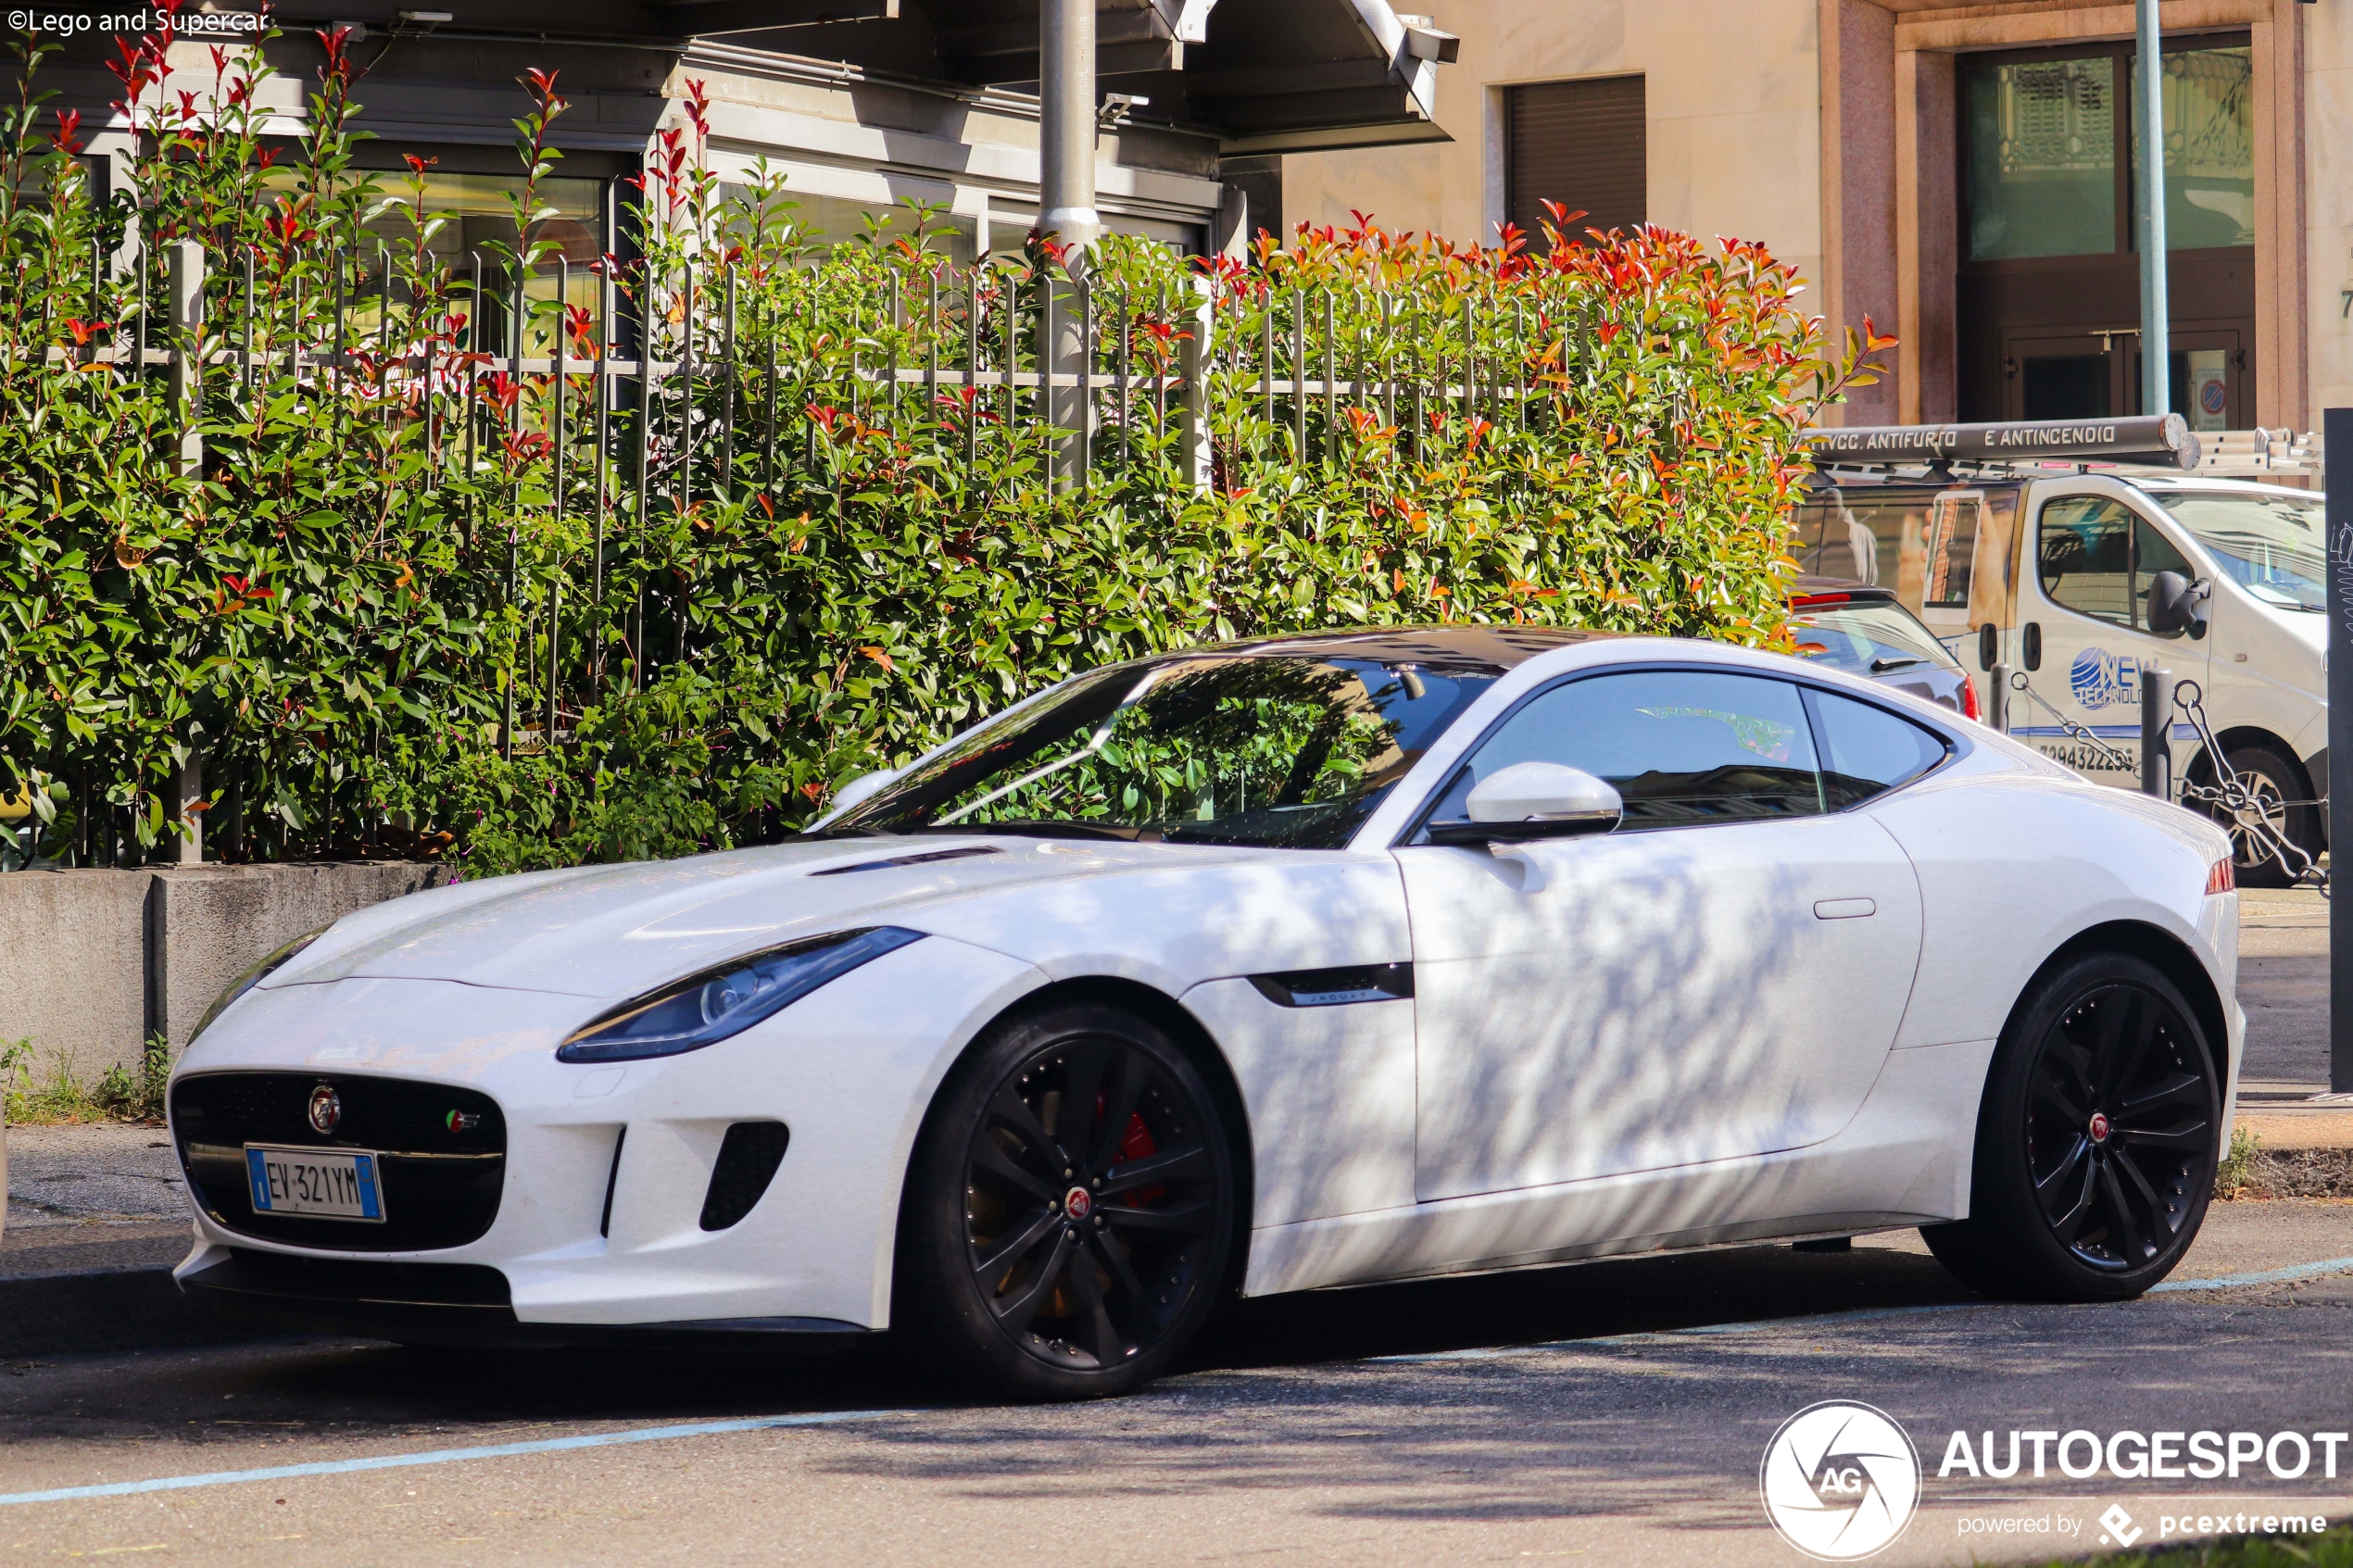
column 608, row 1167
column 460, row 1305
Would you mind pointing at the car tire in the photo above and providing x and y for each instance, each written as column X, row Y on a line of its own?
column 1071, row 1209
column 2097, row 1139
column 2275, row 781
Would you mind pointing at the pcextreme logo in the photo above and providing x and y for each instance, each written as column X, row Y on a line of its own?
column 1840, row 1481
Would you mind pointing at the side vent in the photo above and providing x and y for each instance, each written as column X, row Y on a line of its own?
column 748, row 1160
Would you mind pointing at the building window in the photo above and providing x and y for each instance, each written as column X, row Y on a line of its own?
column 2042, row 159
column 1580, row 144
column 2209, row 148
column 2052, row 144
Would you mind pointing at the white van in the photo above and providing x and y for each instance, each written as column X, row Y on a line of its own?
column 2047, row 570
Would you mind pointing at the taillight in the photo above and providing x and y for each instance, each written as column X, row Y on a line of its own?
column 2222, row 878
column 1968, row 701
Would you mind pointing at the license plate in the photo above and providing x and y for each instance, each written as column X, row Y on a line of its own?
column 327, row 1183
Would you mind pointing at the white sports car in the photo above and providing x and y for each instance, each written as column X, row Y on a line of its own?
column 1257, row 968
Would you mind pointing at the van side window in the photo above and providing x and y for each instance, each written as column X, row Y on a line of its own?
column 2152, row 553
column 2085, row 553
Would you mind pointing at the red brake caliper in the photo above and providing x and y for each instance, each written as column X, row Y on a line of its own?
column 1135, row 1144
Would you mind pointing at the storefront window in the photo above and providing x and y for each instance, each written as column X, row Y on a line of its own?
column 2042, row 159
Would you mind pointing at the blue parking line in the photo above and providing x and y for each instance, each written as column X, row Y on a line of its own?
column 448, row 1456
column 830, row 1418
column 2268, row 1276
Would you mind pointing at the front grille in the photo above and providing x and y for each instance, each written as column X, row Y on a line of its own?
column 747, row 1158
column 444, row 1154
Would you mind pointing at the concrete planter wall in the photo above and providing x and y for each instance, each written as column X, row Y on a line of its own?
column 98, row 961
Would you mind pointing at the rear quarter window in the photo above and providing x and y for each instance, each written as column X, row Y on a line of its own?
column 1867, row 750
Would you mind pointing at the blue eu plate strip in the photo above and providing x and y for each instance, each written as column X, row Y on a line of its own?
column 367, row 1172
column 258, row 1174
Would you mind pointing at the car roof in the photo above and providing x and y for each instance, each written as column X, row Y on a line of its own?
column 1494, row 648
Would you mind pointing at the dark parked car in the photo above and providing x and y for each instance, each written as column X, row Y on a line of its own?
column 1860, row 628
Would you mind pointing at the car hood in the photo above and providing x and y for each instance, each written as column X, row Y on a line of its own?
column 614, row 932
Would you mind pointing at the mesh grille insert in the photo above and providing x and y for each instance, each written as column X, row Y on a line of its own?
column 748, row 1160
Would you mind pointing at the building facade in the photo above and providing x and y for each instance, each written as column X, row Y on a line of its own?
column 1961, row 174
column 864, row 106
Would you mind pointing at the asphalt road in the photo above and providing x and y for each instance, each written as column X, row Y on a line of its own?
column 1616, row 1412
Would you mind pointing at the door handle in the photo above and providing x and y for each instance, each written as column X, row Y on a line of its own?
column 2032, row 650
column 1844, row 909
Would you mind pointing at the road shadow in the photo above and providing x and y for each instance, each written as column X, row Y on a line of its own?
column 359, row 1388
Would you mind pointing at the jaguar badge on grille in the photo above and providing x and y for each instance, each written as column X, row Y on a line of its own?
column 326, row 1108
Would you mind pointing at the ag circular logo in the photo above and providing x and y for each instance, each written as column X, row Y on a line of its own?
column 326, row 1109
column 1840, row 1480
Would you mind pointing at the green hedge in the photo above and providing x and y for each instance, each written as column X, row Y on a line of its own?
column 346, row 610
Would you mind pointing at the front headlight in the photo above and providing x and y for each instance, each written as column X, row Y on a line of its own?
column 707, row 1008
column 254, row 977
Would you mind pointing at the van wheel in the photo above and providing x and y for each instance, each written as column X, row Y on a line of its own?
column 2096, row 1142
column 2274, row 781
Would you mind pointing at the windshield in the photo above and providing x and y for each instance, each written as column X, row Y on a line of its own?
column 1867, row 639
column 2272, row 544
column 1291, row 751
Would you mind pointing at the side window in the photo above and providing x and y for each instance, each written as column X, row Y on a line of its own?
column 1683, row 746
column 2085, row 551
column 1867, row 750
column 2152, row 553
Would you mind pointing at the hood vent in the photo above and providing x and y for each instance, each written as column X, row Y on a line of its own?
column 925, row 858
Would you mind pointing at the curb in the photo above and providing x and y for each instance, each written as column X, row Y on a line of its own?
column 125, row 1308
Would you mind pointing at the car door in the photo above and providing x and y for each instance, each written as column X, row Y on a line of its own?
column 2085, row 626
column 1722, row 975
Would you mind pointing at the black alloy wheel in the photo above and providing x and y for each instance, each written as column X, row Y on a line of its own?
column 1071, row 1211
column 2096, row 1143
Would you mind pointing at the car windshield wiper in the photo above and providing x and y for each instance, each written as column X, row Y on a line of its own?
column 1881, row 666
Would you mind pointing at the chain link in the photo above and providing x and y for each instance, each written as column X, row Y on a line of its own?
column 2229, row 796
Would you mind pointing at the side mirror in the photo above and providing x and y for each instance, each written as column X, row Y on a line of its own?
column 1534, row 800
column 860, row 788
column 2177, row 605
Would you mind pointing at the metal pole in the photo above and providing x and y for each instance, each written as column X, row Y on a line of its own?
column 2337, row 424
column 2157, row 714
column 1066, row 210
column 1997, row 699
column 2156, row 357
column 1066, row 121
